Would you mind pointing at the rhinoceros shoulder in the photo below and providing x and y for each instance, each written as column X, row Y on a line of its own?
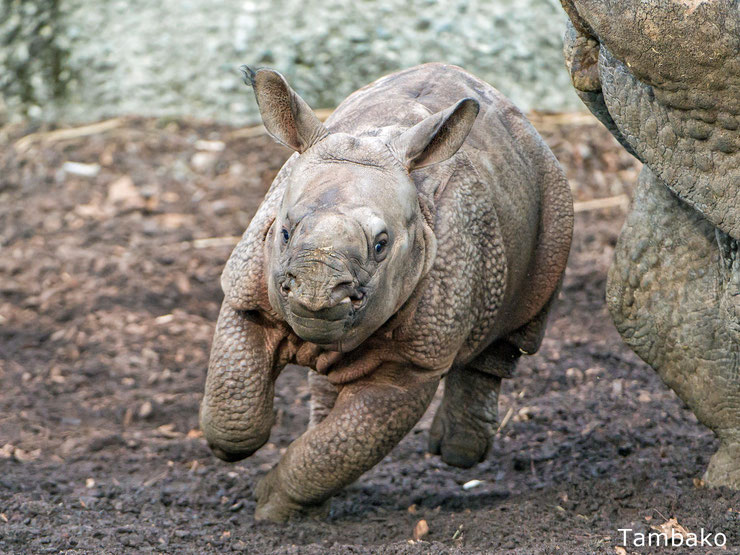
column 243, row 279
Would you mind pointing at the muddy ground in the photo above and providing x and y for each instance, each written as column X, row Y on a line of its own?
column 109, row 291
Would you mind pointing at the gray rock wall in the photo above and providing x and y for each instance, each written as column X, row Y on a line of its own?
column 91, row 60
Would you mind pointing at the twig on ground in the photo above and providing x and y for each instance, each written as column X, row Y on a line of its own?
column 24, row 143
column 228, row 241
column 506, row 419
column 621, row 201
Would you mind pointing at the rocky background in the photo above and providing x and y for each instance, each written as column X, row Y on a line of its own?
column 73, row 61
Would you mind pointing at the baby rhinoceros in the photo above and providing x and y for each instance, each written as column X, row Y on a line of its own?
column 422, row 232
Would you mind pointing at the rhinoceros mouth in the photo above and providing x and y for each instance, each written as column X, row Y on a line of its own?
column 317, row 330
column 328, row 325
column 340, row 311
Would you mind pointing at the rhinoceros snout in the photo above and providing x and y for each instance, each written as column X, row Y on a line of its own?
column 313, row 308
column 311, row 294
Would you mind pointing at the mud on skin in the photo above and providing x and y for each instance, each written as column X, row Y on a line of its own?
column 423, row 230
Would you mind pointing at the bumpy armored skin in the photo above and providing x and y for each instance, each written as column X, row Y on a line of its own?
column 423, row 230
column 664, row 77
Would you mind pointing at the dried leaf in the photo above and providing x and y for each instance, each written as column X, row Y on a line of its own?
column 672, row 528
column 122, row 192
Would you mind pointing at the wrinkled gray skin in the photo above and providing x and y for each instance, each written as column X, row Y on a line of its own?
column 664, row 77
column 422, row 231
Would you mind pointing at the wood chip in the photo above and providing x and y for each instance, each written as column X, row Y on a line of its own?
column 83, row 170
column 146, row 409
column 471, row 484
column 128, row 417
column 211, row 242
column 168, row 430
column 210, row 146
column 26, row 456
column 421, row 529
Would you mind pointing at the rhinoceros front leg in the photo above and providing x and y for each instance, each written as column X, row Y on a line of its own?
column 236, row 412
column 369, row 418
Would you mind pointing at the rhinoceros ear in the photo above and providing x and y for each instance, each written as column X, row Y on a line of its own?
column 287, row 117
column 437, row 137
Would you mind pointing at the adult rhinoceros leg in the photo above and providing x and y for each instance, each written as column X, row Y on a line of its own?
column 369, row 418
column 666, row 293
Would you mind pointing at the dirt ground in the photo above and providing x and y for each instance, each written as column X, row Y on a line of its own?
column 109, row 291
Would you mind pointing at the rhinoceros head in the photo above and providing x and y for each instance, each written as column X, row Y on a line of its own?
column 349, row 243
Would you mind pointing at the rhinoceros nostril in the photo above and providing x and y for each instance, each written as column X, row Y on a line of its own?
column 342, row 290
column 288, row 283
column 358, row 299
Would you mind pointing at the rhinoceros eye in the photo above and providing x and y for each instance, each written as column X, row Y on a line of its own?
column 381, row 246
column 286, row 235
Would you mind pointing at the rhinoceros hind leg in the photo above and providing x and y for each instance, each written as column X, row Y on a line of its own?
column 671, row 294
column 323, row 396
column 465, row 422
